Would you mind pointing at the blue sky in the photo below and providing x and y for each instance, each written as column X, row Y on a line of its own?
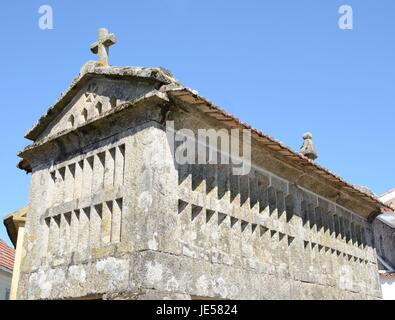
column 283, row 66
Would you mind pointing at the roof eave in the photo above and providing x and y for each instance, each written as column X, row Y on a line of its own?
column 153, row 97
column 191, row 97
column 5, row 269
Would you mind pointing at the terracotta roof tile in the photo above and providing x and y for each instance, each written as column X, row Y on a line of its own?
column 7, row 256
column 388, row 274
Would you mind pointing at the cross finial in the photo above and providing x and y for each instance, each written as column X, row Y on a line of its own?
column 101, row 46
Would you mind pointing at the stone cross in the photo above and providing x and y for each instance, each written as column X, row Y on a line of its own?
column 101, row 46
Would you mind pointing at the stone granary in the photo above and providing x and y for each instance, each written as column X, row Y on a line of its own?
column 112, row 215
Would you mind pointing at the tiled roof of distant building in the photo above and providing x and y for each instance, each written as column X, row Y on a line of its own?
column 7, row 255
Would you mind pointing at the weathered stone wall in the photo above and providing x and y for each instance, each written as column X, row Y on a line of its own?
column 261, row 224
column 112, row 214
column 83, row 189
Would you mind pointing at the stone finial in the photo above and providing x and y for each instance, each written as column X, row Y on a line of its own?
column 308, row 149
column 102, row 45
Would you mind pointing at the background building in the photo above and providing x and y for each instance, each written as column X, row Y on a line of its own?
column 6, row 266
column 384, row 239
column 389, row 198
column 387, row 280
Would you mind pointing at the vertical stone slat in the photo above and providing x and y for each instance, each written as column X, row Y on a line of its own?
column 184, row 178
column 336, row 225
column 360, row 238
column 244, row 191
column 332, row 251
column 52, row 188
column 116, row 223
column 226, row 243
column 95, row 226
column 331, row 223
column 341, row 227
column 98, row 172
column 59, row 186
column 263, row 183
column 74, row 231
column 210, row 176
column 87, row 177
column 184, row 175
column 327, row 223
column 349, row 231
column 45, row 235
column 254, row 193
column 106, row 223
column 311, row 209
column 211, row 221
column 363, row 238
column 281, row 206
column 305, row 214
column 78, row 179
column 184, row 225
column 289, row 207
column 109, row 171
column 318, row 219
column 198, row 182
column 356, row 237
column 69, row 182
column 369, row 242
column 65, row 235
column 313, row 234
column 54, row 235
column 234, row 185
column 83, row 232
column 272, row 200
column 119, row 166
column 223, row 177
column 198, row 224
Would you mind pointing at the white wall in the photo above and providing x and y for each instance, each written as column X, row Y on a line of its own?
column 388, row 287
column 5, row 283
